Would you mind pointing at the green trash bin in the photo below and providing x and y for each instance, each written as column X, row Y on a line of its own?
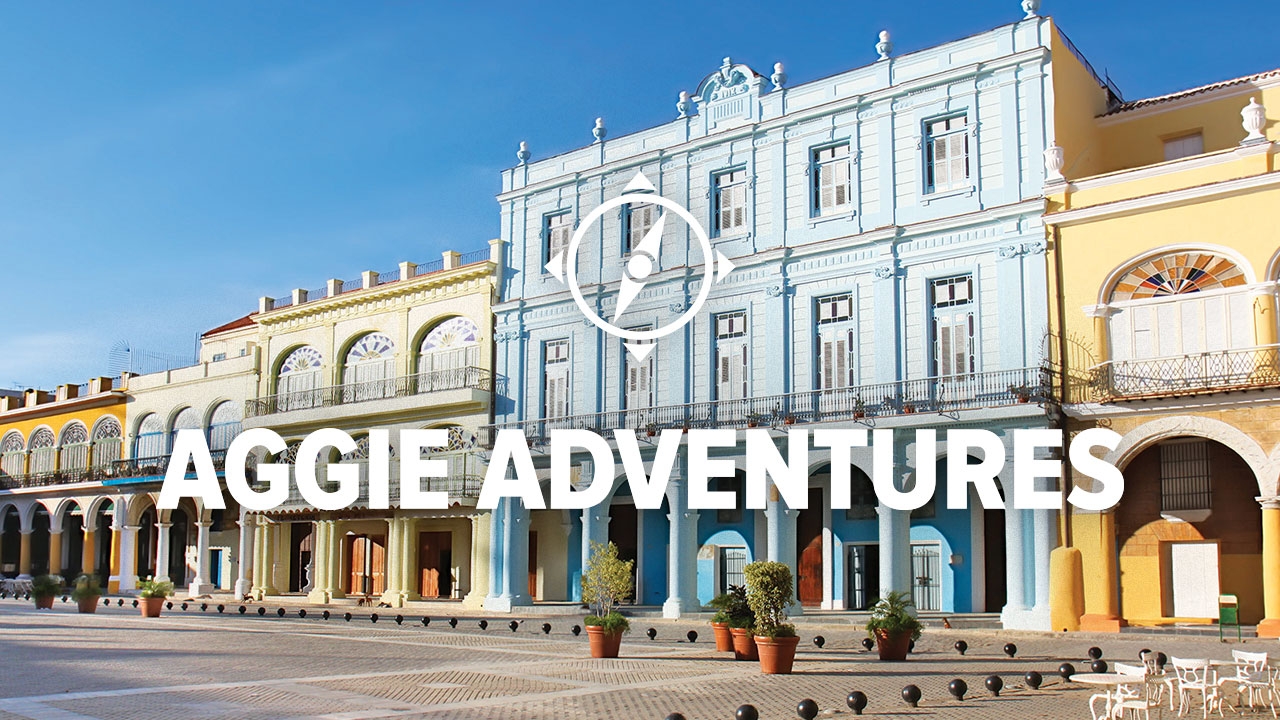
column 1228, row 614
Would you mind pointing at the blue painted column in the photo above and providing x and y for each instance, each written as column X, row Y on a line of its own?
column 780, row 539
column 496, row 558
column 895, row 536
column 517, row 546
column 595, row 529
column 682, row 548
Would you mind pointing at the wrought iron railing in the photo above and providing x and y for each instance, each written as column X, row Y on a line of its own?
column 117, row 470
column 402, row 386
column 1238, row 369
column 474, row 256
column 860, row 403
column 430, row 267
column 462, row 485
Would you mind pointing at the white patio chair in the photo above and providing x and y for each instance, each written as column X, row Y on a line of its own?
column 1112, row 700
column 1162, row 680
column 1137, row 699
column 1252, row 677
column 1196, row 676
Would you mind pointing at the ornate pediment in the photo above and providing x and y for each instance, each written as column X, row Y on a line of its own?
column 728, row 94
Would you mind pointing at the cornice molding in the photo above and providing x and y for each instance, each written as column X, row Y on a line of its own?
column 1130, row 206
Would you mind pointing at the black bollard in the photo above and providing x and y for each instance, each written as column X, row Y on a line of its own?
column 184, row 607
column 1094, row 653
column 261, row 611
column 958, row 688
column 399, row 619
column 302, row 613
column 868, row 643
column 911, row 646
column 1010, row 649
column 453, row 622
column 911, row 695
column 819, row 641
column 994, row 684
column 652, row 633
column 1143, row 653
column 324, row 615
column 675, row 716
column 243, row 609
column 167, row 606
column 513, row 625
column 961, row 646
column 1161, row 660
column 373, row 618
column 346, row 616
column 807, row 709
column 279, row 612
column 692, row 635
column 425, row 621
column 857, row 701
column 746, row 712
column 1098, row 666
column 1033, row 679
column 221, row 608
column 484, row 624
column 546, row 628
column 576, row 630
column 1066, row 670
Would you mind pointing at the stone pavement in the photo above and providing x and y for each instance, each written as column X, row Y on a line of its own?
column 60, row 665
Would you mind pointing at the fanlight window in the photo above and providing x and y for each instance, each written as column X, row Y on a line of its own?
column 371, row 369
column 12, row 458
column 299, row 380
column 451, row 345
column 43, row 453
column 1177, row 274
column 224, row 425
column 74, row 447
column 150, row 442
column 106, row 442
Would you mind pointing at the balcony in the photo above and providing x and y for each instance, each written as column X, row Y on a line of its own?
column 430, row 383
column 464, row 481
column 130, row 468
column 1180, row 375
column 864, row 403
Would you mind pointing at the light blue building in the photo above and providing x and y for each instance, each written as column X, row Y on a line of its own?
column 884, row 229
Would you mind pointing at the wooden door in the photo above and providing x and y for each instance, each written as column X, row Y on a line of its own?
column 809, row 551
column 370, row 549
column 993, row 536
column 435, row 561
column 533, row 565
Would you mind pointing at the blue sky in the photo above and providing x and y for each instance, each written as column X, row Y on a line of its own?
column 162, row 165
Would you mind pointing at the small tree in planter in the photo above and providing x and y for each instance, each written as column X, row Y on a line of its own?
column 86, row 593
column 733, row 623
column 606, row 582
column 43, row 589
column 769, row 592
column 153, row 592
column 893, row 626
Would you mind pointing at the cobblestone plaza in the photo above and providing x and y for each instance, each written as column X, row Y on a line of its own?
column 61, row 665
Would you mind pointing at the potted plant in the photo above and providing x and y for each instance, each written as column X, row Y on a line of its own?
column 769, row 592
column 733, row 612
column 86, row 593
column 43, row 589
column 606, row 581
column 153, row 592
column 893, row 626
column 651, row 429
column 859, row 409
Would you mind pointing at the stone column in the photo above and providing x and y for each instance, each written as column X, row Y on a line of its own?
column 780, row 539
column 55, row 552
column 595, row 529
column 682, row 551
column 259, row 569
column 1015, row 594
column 269, row 532
column 244, row 555
column 337, row 567
column 1270, row 625
column 162, row 551
column 497, row 574
column 1045, row 539
column 89, row 551
column 200, row 584
column 409, row 575
column 321, row 561
column 391, row 565
column 24, row 555
column 1102, row 606
column 127, row 569
column 480, row 565
column 518, row 557
column 113, row 579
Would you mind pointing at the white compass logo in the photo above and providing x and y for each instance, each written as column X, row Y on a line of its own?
column 641, row 267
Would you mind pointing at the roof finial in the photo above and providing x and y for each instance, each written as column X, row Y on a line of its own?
column 684, row 106
column 599, row 130
column 885, row 46
column 1031, row 8
column 523, row 153
column 1254, row 119
column 779, row 76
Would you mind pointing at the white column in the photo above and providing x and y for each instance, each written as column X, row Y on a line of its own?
column 682, row 550
column 322, row 561
column 780, row 530
column 200, row 585
column 595, row 529
column 244, row 555
column 1015, row 606
column 518, row 561
column 128, row 578
column 1045, row 535
column 831, row 554
column 162, row 551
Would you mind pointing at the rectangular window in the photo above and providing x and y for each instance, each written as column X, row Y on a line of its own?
column 557, row 229
column 219, row 357
column 831, row 172
column 731, row 356
column 834, row 309
column 732, row 562
column 555, row 392
column 1185, row 146
column 953, row 326
column 946, row 154
column 836, row 342
column 1184, row 476
column 639, row 378
column 730, row 202
column 639, row 220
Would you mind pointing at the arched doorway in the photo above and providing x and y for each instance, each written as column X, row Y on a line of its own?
column 72, row 560
column 726, row 540
column 179, row 536
column 40, row 541
column 1188, row 530
column 10, row 542
column 145, row 562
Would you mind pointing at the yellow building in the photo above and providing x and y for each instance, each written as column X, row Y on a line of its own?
column 1163, row 255
column 58, row 451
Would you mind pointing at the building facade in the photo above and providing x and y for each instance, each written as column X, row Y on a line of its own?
column 883, row 231
column 1163, row 242
column 408, row 349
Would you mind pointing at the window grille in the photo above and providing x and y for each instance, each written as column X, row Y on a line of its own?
column 1185, row 482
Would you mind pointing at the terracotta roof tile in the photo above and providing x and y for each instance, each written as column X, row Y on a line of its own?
column 1146, row 102
column 236, row 324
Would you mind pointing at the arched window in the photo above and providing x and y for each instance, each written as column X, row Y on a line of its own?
column 451, row 345
column 106, row 442
column 298, row 383
column 12, row 453
column 224, row 425
column 187, row 419
column 44, row 453
column 290, row 454
column 370, row 371
column 150, row 441
column 73, row 445
column 1178, row 304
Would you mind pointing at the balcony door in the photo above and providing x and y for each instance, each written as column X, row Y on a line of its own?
column 370, row 370
column 299, row 380
column 435, row 564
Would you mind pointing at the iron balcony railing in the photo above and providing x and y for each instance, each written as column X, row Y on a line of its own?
column 860, row 403
column 117, row 470
column 1217, row 371
column 403, row 386
column 464, row 481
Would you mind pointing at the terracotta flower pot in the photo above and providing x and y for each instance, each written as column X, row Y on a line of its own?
column 893, row 647
column 776, row 654
column 151, row 607
column 724, row 638
column 603, row 644
column 744, row 645
column 42, row 602
column 89, row 604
